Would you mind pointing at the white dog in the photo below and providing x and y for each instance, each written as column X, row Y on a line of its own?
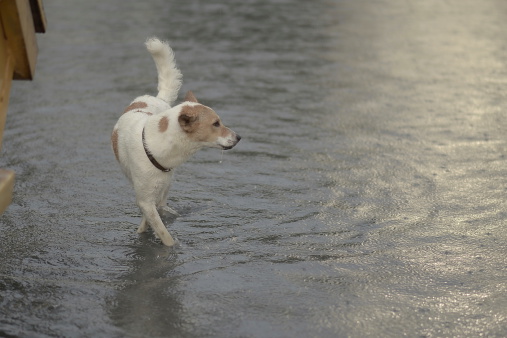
column 152, row 138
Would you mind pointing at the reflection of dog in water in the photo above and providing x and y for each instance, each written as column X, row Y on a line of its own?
column 152, row 138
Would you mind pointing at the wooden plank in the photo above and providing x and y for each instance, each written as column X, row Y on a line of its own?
column 6, row 188
column 19, row 19
column 6, row 70
column 39, row 17
column 19, row 30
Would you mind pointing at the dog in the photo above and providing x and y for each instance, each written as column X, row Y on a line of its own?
column 152, row 138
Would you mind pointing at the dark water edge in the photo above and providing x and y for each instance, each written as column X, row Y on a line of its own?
column 366, row 199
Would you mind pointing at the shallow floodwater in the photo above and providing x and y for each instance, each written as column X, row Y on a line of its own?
column 367, row 197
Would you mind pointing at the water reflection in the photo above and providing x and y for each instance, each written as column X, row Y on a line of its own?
column 149, row 303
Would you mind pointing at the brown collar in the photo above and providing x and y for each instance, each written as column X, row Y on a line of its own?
column 152, row 159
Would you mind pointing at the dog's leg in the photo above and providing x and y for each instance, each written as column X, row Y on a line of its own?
column 143, row 227
column 168, row 209
column 162, row 202
column 152, row 217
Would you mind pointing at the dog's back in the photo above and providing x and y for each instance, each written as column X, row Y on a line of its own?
column 135, row 115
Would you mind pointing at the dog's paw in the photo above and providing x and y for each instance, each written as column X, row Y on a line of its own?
column 166, row 239
column 168, row 209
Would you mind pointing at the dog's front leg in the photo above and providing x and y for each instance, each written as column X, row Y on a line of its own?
column 151, row 215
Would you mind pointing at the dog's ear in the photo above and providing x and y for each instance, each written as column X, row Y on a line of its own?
column 190, row 97
column 188, row 119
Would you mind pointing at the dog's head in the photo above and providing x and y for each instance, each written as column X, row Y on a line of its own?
column 202, row 125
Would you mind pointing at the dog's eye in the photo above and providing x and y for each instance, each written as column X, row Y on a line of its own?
column 216, row 124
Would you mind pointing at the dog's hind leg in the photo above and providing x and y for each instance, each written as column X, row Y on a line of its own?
column 162, row 202
column 168, row 209
column 143, row 227
column 151, row 215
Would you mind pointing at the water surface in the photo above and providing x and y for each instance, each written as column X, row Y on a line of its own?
column 366, row 198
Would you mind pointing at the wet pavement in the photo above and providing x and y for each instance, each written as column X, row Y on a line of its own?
column 366, row 199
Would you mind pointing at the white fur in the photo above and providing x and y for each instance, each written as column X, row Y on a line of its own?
column 170, row 148
column 169, row 76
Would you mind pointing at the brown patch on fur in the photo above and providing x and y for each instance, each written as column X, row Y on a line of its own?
column 163, row 124
column 135, row 105
column 114, row 143
column 190, row 97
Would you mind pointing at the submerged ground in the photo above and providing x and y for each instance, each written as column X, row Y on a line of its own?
column 367, row 197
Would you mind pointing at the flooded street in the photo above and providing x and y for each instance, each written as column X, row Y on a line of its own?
column 367, row 197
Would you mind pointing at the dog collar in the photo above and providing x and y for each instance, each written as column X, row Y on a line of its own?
column 152, row 159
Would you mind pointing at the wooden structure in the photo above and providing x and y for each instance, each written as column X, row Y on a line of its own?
column 19, row 21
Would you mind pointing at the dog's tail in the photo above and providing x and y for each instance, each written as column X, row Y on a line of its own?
column 169, row 76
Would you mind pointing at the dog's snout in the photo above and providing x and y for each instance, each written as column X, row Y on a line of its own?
column 238, row 138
